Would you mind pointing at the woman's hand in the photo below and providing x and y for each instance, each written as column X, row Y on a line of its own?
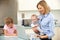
column 42, row 36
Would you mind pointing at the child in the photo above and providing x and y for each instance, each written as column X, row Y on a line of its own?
column 35, row 27
column 35, row 24
column 9, row 27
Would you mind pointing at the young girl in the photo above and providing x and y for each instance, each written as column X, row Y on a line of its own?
column 9, row 27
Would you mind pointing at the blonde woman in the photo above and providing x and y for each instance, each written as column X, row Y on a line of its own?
column 46, row 21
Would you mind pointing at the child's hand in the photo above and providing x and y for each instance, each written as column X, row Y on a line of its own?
column 15, row 31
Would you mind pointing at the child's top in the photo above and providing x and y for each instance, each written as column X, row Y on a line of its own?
column 10, row 30
column 38, row 27
column 33, row 24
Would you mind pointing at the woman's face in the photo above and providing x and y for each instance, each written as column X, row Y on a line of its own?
column 41, row 9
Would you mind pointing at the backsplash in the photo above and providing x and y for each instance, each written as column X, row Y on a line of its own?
column 27, row 15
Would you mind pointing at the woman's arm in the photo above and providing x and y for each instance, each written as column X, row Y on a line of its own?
column 44, row 36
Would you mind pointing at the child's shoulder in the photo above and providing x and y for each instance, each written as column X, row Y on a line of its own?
column 5, row 27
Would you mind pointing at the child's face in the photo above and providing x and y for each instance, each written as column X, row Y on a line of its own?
column 10, row 25
column 34, row 18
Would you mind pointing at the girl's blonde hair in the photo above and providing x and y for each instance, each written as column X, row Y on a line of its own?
column 45, row 5
column 8, row 20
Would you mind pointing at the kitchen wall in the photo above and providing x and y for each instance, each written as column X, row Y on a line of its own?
column 28, row 14
column 8, row 8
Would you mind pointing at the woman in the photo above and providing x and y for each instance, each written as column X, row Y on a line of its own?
column 46, row 21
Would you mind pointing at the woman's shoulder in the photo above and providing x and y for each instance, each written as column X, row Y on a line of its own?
column 51, row 16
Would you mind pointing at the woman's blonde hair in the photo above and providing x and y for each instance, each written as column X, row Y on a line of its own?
column 45, row 5
column 8, row 20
